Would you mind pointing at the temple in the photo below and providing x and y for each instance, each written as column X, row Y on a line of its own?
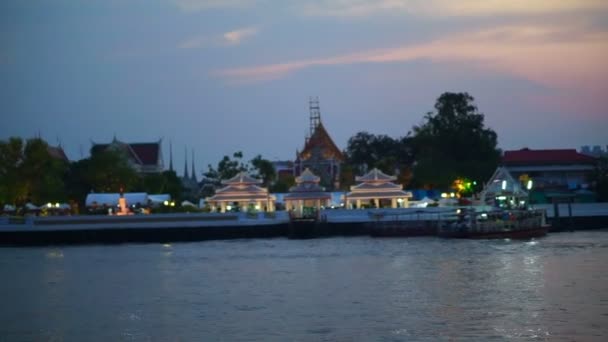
column 320, row 153
column 377, row 190
column 142, row 157
column 242, row 193
column 307, row 197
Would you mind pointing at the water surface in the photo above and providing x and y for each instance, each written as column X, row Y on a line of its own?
column 336, row 289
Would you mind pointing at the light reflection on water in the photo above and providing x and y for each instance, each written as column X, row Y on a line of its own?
column 361, row 289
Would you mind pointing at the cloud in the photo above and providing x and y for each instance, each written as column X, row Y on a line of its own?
column 359, row 8
column 230, row 38
column 202, row 5
column 548, row 55
column 235, row 37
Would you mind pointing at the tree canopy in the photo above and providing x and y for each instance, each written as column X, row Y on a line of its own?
column 28, row 172
column 453, row 143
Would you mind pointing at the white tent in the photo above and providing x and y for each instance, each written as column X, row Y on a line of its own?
column 8, row 207
column 101, row 199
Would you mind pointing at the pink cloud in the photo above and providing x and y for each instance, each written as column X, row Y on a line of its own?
column 559, row 57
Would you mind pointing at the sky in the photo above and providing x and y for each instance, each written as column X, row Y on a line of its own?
column 219, row 76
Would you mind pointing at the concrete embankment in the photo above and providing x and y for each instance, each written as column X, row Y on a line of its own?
column 198, row 227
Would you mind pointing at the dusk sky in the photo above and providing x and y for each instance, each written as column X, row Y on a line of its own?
column 226, row 75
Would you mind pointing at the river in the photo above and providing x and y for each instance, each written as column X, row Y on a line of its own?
column 333, row 289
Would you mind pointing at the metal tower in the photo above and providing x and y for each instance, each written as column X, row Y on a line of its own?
column 315, row 114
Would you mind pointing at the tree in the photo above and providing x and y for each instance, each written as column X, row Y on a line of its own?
column 28, row 172
column 109, row 171
column 366, row 151
column 226, row 169
column 166, row 182
column 453, row 143
column 264, row 170
column 12, row 186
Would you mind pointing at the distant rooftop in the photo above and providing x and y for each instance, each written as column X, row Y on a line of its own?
column 554, row 156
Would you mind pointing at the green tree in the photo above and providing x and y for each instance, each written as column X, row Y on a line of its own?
column 13, row 187
column 453, row 143
column 166, row 182
column 43, row 173
column 264, row 170
column 226, row 169
column 109, row 171
column 366, row 151
column 28, row 172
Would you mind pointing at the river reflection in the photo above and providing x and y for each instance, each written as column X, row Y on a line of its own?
column 345, row 289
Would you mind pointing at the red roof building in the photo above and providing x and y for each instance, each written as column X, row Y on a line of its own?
column 554, row 169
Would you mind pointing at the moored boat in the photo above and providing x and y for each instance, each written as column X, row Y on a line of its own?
column 499, row 224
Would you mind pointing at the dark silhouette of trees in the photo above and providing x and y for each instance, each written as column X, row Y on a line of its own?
column 28, row 172
column 453, row 143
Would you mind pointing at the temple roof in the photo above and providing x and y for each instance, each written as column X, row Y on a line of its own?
column 242, row 178
column 307, row 177
column 57, row 153
column 375, row 175
column 321, row 140
column 141, row 153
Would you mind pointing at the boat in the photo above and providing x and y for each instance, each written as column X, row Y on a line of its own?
column 496, row 224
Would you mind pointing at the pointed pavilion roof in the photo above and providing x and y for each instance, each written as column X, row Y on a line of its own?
column 307, row 177
column 376, row 184
column 307, row 187
column 375, row 176
column 242, row 178
column 494, row 186
column 321, row 139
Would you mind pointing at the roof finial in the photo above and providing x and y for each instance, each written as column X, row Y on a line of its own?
column 193, row 175
column 170, row 156
column 186, row 163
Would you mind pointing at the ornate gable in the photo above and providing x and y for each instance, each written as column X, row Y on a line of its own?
column 321, row 146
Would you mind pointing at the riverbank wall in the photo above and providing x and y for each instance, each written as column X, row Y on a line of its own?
column 199, row 227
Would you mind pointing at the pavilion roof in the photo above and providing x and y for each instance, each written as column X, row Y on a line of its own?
column 320, row 139
column 242, row 178
column 307, row 177
column 375, row 175
column 388, row 186
column 241, row 192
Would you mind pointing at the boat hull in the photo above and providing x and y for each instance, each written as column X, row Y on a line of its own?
column 520, row 234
